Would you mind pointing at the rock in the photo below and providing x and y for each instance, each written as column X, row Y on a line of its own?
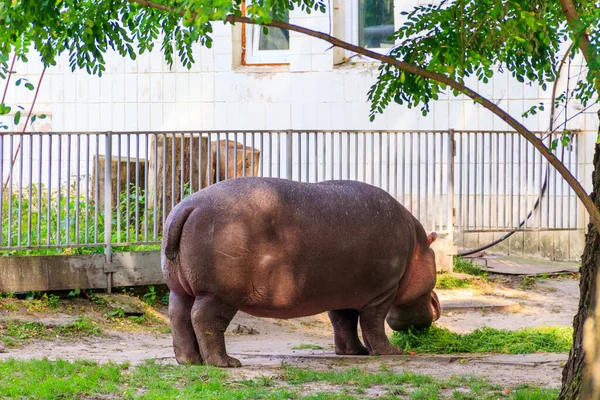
column 245, row 330
column 478, row 304
column 2, row 347
column 130, row 305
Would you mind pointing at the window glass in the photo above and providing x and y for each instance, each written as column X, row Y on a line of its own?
column 375, row 23
column 275, row 39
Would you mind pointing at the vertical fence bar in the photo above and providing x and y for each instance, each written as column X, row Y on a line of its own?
column 434, row 175
column 541, row 192
column 244, row 154
column 87, row 189
column 146, row 166
column 39, row 195
column 299, row 135
column 450, row 180
column 119, row 189
column 128, row 186
column 20, row 212
column 461, row 191
column 262, row 155
column 324, row 156
column 58, row 189
column 410, row 172
column 490, row 159
column 404, row 180
column 418, row 188
column 308, row 156
column 10, row 190
column 505, row 203
column 468, row 182
column 49, row 211
column 137, row 185
column 497, row 197
column 426, row 168
column 155, row 212
column 164, row 181
column 29, row 208
column 235, row 156
column 2, row 191
column 68, row 181
column 108, row 206
column 482, row 197
column 289, row 149
column 278, row 156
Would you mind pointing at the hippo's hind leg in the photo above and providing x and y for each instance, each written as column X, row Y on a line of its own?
column 372, row 323
column 345, row 330
column 184, row 338
column 211, row 318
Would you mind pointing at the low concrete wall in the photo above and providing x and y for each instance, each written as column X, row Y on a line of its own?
column 22, row 274
column 546, row 245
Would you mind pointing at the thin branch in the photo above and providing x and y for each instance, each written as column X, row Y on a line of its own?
column 520, row 128
column 10, row 72
column 37, row 89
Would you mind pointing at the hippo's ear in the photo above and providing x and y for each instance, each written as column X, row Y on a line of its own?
column 431, row 238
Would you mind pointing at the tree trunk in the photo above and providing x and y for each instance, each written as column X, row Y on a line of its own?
column 574, row 370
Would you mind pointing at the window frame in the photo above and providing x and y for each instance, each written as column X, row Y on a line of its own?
column 353, row 28
column 251, row 55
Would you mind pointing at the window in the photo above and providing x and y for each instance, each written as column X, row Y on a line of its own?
column 370, row 23
column 375, row 23
column 271, row 47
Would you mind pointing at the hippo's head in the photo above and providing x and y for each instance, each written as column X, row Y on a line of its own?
column 417, row 304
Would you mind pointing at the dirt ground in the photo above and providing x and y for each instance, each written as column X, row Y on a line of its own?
column 547, row 302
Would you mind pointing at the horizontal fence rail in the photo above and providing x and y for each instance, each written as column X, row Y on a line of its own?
column 91, row 192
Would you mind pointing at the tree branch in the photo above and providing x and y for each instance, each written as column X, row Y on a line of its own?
column 520, row 128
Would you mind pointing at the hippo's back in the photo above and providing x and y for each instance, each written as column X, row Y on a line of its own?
column 278, row 248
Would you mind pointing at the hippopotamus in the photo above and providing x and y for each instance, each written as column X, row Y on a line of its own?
column 282, row 249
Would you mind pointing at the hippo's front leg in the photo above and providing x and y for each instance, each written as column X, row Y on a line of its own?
column 184, row 337
column 211, row 318
column 345, row 330
column 372, row 323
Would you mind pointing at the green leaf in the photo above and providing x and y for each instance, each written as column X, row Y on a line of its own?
column 4, row 109
column 17, row 117
column 29, row 86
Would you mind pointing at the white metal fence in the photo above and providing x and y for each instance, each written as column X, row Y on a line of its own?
column 54, row 192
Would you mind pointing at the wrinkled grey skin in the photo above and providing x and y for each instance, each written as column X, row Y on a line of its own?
column 281, row 249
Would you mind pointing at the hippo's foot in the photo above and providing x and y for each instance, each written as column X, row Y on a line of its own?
column 210, row 318
column 358, row 350
column 223, row 361
column 389, row 350
column 185, row 343
column 372, row 323
column 345, row 328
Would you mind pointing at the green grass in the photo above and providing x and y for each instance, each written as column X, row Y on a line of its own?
column 447, row 281
column 305, row 346
column 15, row 332
column 466, row 266
column 43, row 379
column 47, row 210
column 551, row 339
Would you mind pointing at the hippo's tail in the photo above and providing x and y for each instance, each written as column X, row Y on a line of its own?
column 172, row 231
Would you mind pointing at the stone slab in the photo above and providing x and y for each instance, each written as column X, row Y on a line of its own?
column 510, row 265
column 477, row 304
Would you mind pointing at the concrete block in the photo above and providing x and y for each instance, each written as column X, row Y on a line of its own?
column 470, row 241
column 117, row 185
column 546, row 245
column 576, row 245
column 186, row 150
column 531, row 240
column 561, row 245
column 515, row 243
column 501, row 248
